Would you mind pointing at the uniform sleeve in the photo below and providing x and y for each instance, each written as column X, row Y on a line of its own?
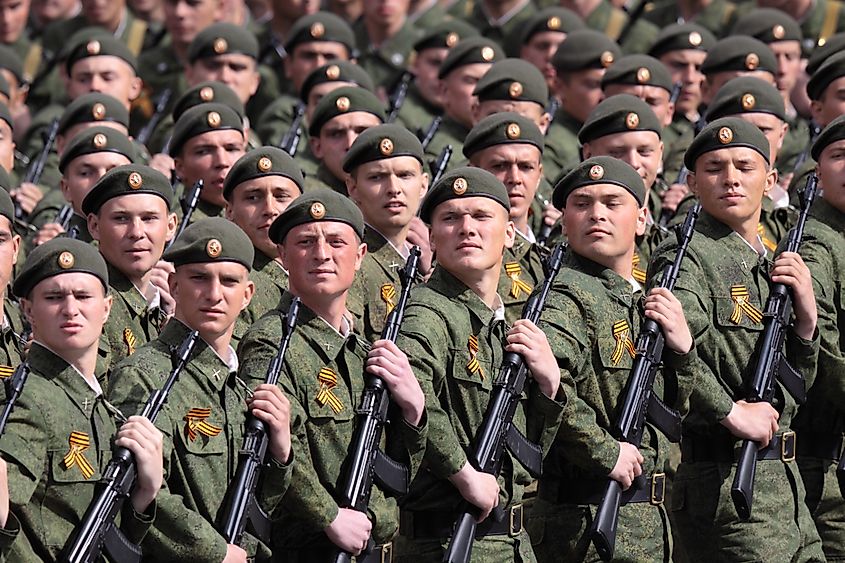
column 543, row 415
column 9, row 535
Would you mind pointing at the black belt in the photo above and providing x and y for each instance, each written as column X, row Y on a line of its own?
column 820, row 446
column 722, row 449
column 379, row 554
column 436, row 524
column 591, row 491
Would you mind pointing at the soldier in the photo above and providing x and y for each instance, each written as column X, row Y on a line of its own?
column 723, row 287
column 513, row 85
column 634, row 36
column 59, row 437
column 204, row 417
column 819, row 20
column 12, row 337
column 319, row 238
column 580, row 63
column 275, row 35
column 207, row 140
column 498, row 20
column 819, row 420
column 338, row 119
column 455, row 335
column 716, row 16
column 113, row 16
column 15, row 34
column 734, row 56
column 461, row 70
column 387, row 179
column 537, row 40
column 593, row 313
column 258, row 188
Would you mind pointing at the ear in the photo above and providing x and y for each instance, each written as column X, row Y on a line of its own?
column 94, row 226
column 586, row 152
column 668, row 119
column 692, row 184
column 172, row 226
column 771, row 180
column 351, row 186
column 316, row 147
column 816, row 108
column 510, row 234
column 545, row 122
column 642, row 214
column 249, row 291
column 362, row 251
column 135, row 87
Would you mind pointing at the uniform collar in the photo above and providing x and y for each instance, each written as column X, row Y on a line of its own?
column 451, row 287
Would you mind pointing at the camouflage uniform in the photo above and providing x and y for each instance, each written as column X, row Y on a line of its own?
column 270, row 281
column 522, row 271
column 11, row 330
column 563, row 151
column 385, row 63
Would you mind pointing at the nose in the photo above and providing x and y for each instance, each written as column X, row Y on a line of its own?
column 70, row 307
column 136, row 228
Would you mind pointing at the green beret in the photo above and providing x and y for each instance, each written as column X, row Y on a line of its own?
column 202, row 119
column 96, row 140
column 504, row 128
column 583, row 49
column 465, row 181
column 835, row 131
column 599, row 170
column 384, row 141
column 554, row 18
column 321, row 26
column 91, row 108
column 222, row 39
column 319, row 204
column 207, row 92
column 5, row 180
column 768, row 25
column 832, row 68
column 725, row 133
column 638, row 70
column 445, row 35
column 834, row 44
column 124, row 180
column 739, row 53
column 346, row 99
column 619, row 114
column 96, row 42
column 11, row 61
column 261, row 162
column 471, row 50
column 746, row 94
column 336, row 71
column 59, row 256
column 6, row 115
column 211, row 239
column 7, row 207
column 513, row 80
column 682, row 36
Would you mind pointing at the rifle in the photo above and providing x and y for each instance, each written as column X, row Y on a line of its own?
column 149, row 128
column 639, row 401
column 771, row 365
column 242, row 506
column 14, row 388
column 290, row 140
column 431, row 131
column 666, row 214
column 497, row 430
column 366, row 462
column 397, row 99
column 64, row 216
column 439, row 166
column 545, row 229
column 189, row 204
column 36, row 166
column 805, row 154
column 632, row 20
column 97, row 529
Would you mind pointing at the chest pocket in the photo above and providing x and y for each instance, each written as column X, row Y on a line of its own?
column 75, row 461
column 329, row 397
column 616, row 346
column 739, row 307
column 201, row 432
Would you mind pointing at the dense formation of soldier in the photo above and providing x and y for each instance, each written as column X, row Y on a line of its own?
column 447, row 280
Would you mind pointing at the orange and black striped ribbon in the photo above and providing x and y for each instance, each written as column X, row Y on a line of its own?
column 328, row 381
column 6, row 371
column 130, row 341
column 767, row 242
column 388, row 295
column 79, row 442
column 518, row 287
column 197, row 423
column 637, row 273
column 474, row 366
column 622, row 334
column 742, row 305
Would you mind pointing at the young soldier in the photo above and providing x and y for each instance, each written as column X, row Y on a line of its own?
column 258, row 188
column 384, row 38
column 11, row 324
column 723, row 287
column 319, row 241
column 204, row 417
column 386, row 179
column 58, row 439
column 455, row 336
column 734, row 56
column 820, row 420
column 128, row 212
column 537, row 40
column 592, row 319
column 512, row 85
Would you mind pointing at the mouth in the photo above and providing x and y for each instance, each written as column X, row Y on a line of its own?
column 597, row 232
column 732, row 197
column 395, row 206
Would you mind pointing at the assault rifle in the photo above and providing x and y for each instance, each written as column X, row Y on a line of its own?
column 771, row 365
column 639, row 402
column 431, row 131
column 97, row 529
column 397, row 99
column 14, row 387
column 36, row 166
column 290, row 141
column 189, row 204
column 440, row 165
column 149, row 128
column 366, row 462
column 497, row 431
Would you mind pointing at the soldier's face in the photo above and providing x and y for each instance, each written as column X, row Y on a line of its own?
column 238, row 72
column 13, row 15
column 321, row 259
column 730, row 183
column 714, row 82
column 132, row 230
column 103, row 12
column 642, row 150
column 67, row 311
column 425, row 67
column 208, row 157
column 185, row 18
column 209, row 296
column 469, row 236
column 456, row 89
column 519, row 168
column 656, row 97
column 772, row 127
column 337, row 136
column 388, row 192
column 9, row 244
column 831, row 171
column 685, row 67
column 386, row 12
column 307, row 57
column 51, row 10
column 256, row 203
column 580, row 92
column 601, row 223
column 84, row 171
column 832, row 103
column 539, row 51
column 7, row 146
column 788, row 55
column 104, row 74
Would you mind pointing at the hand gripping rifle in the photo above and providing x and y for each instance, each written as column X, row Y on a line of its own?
column 771, row 365
column 366, row 463
column 242, row 507
column 97, row 529
column 36, row 166
column 149, row 128
column 14, row 388
column 290, row 141
column 497, row 431
column 189, row 204
column 639, row 401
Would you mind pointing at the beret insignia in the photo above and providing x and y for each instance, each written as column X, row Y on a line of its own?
column 333, row 72
column 213, row 119
column 264, row 164
column 487, row 54
column 342, row 103
column 220, row 46
column 553, row 22
column 317, row 30
column 597, row 172
column 752, row 61
column 213, row 248
column 726, row 135
column 98, row 111
column 778, row 31
column 386, row 147
column 318, row 210
column 99, row 141
column 135, row 181
column 459, row 186
column 513, row 131
column 748, row 102
column 66, row 260
column 694, row 39
column 206, row 93
column 643, row 75
column 515, row 90
column 632, row 120
column 93, row 48
column 452, row 39
column 606, row 59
